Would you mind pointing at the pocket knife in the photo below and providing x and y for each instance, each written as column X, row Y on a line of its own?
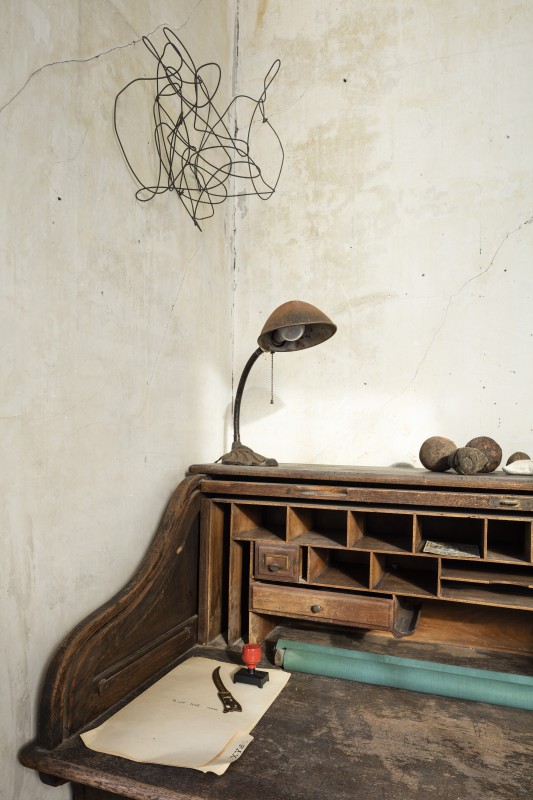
column 227, row 699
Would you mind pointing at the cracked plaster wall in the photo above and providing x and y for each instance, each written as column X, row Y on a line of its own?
column 115, row 320
column 403, row 211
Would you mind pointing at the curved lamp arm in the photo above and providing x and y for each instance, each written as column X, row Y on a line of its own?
column 238, row 397
column 239, row 453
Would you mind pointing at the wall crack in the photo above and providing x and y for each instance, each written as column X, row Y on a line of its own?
column 91, row 58
column 455, row 294
column 376, row 411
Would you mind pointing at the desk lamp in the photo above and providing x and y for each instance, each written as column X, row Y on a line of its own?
column 293, row 326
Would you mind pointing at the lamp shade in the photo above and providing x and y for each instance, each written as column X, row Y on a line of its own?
column 295, row 326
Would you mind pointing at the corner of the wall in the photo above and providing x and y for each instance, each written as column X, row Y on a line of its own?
column 232, row 206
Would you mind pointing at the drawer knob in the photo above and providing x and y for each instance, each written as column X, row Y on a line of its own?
column 316, row 608
column 274, row 567
column 508, row 502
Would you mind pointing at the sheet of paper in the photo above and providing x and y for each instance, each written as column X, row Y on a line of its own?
column 180, row 720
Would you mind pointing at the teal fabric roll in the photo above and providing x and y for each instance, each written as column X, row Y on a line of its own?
column 499, row 688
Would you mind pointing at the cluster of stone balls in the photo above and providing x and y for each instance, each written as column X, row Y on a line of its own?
column 481, row 454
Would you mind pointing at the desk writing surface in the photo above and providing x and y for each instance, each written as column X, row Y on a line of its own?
column 341, row 740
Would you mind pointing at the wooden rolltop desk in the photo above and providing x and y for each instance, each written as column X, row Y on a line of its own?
column 403, row 558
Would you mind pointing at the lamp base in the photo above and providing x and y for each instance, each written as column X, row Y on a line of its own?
column 242, row 456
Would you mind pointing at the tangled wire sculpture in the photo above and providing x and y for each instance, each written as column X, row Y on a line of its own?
column 199, row 158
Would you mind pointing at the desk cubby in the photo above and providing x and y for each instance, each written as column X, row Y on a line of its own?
column 412, row 576
column 318, row 526
column 344, row 569
column 509, row 540
column 381, row 531
column 451, row 530
column 255, row 522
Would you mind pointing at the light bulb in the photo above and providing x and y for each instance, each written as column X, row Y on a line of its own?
column 290, row 333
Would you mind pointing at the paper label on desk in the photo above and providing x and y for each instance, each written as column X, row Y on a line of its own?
column 180, row 720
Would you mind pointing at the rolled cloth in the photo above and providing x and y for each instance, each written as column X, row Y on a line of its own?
column 485, row 686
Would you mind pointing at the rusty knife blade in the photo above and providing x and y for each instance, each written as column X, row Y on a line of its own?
column 226, row 698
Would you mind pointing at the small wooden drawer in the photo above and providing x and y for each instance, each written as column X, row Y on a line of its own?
column 332, row 607
column 277, row 562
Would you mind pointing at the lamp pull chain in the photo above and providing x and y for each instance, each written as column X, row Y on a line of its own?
column 271, row 378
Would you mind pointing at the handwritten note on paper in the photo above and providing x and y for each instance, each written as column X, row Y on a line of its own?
column 180, row 721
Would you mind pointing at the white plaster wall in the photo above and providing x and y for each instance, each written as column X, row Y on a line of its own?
column 114, row 322
column 404, row 211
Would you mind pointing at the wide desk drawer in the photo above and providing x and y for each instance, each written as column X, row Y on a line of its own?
column 333, row 607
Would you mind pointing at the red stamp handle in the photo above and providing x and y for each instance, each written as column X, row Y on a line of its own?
column 251, row 655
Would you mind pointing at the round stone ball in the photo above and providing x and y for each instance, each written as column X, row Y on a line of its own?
column 435, row 453
column 491, row 449
column 518, row 457
column 468, row 461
